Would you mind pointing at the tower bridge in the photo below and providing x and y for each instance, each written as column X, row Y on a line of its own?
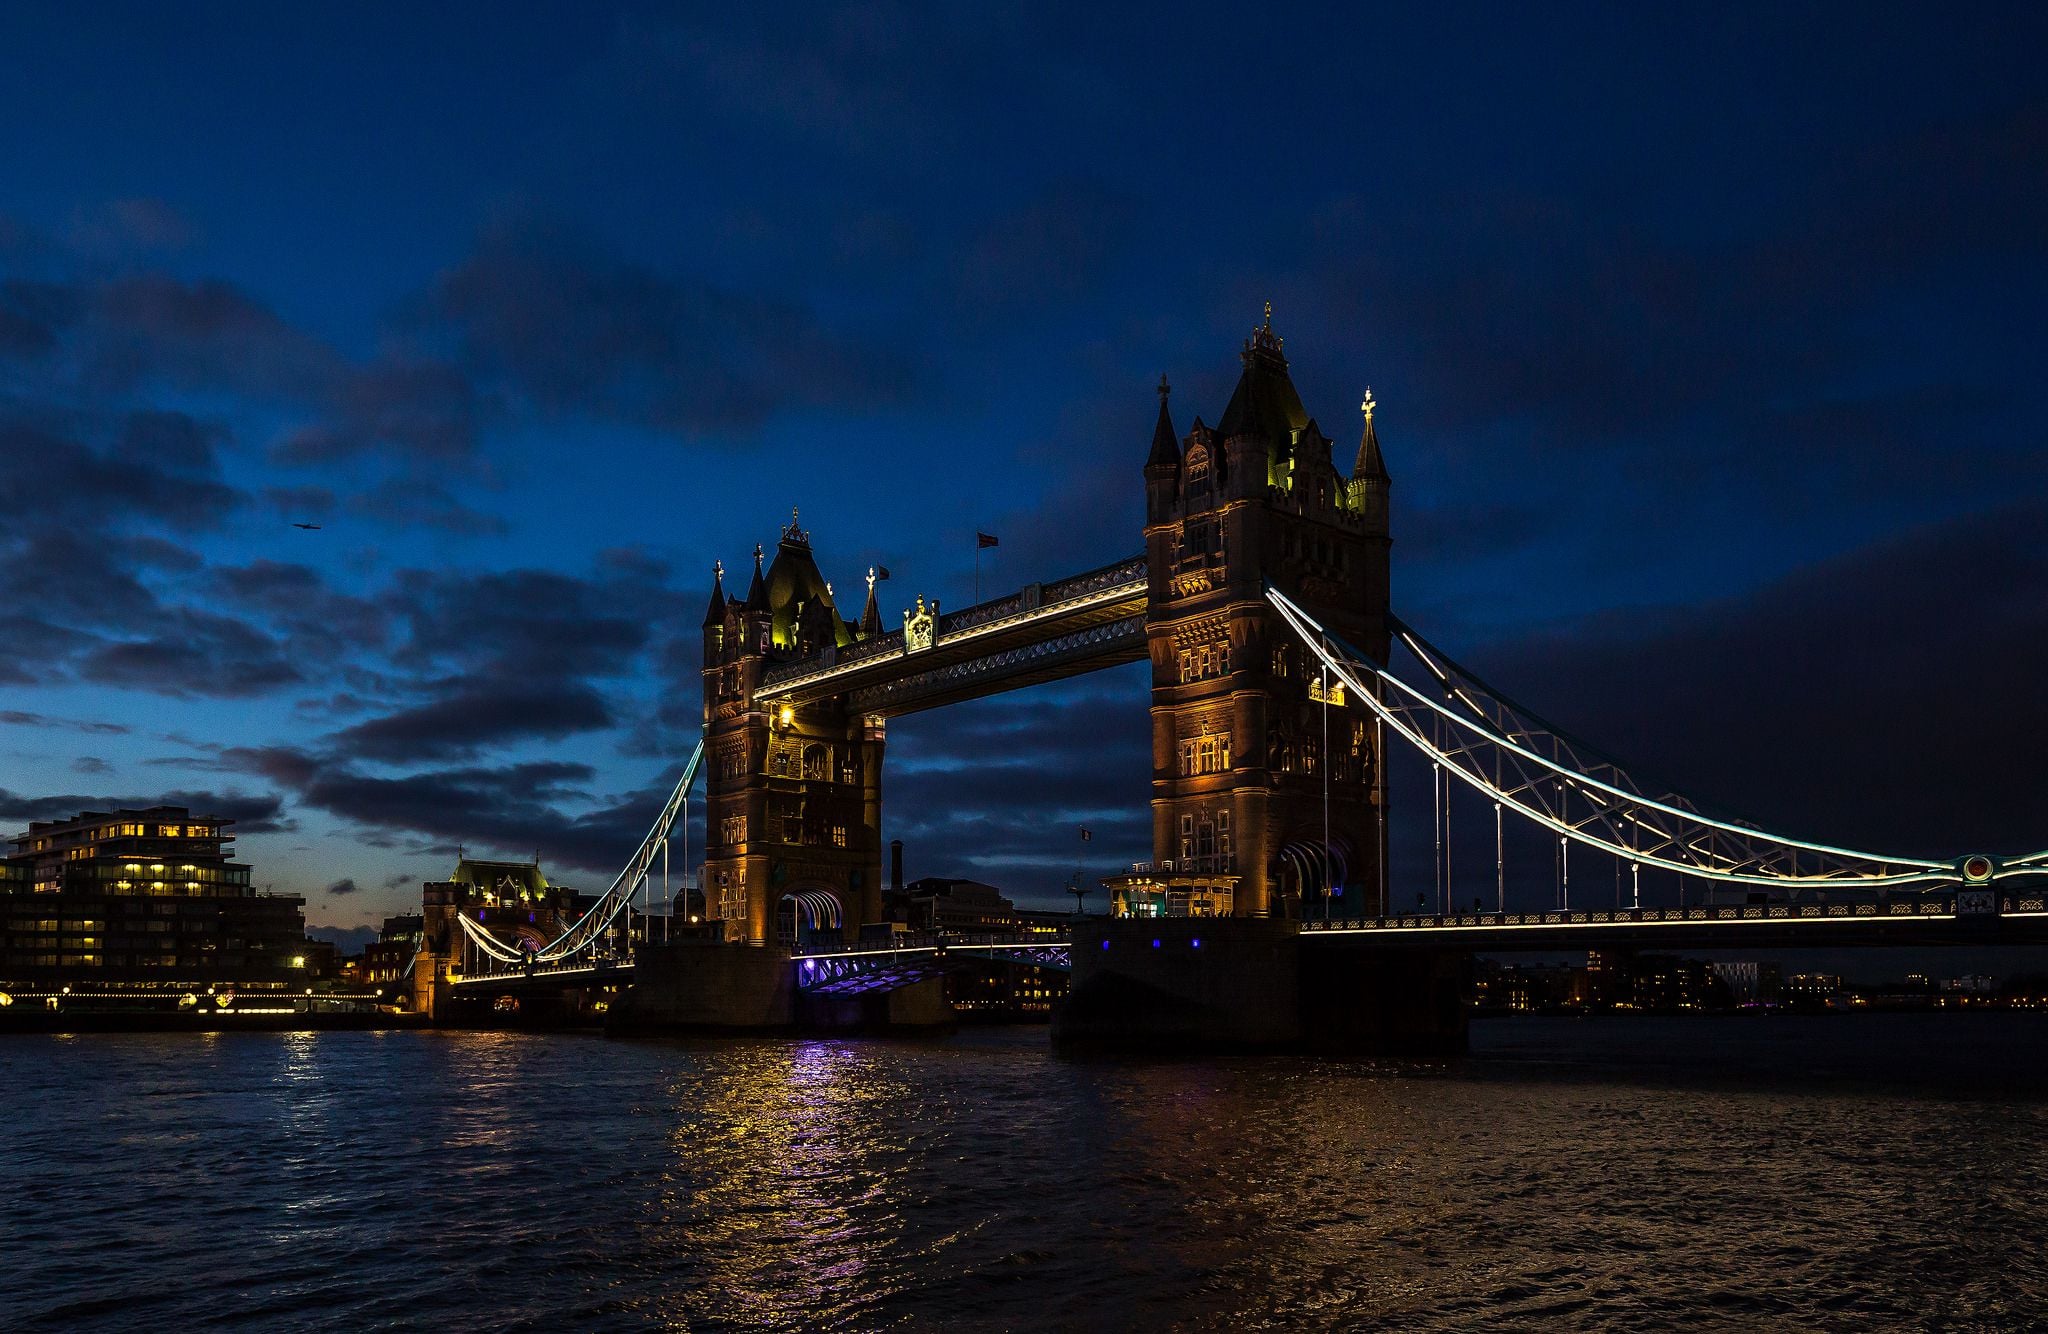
column 1279, row 677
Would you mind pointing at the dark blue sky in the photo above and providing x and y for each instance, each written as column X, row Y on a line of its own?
column 1707, row 343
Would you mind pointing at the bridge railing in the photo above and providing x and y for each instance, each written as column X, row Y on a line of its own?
column 913, row 941
column 1911, row 908
column 1051, row 598
column 1214, row 864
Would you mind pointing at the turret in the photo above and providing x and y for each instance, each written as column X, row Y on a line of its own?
column 757, row 591
column 871, row 614
column 1370, row 483
column 1162, row 466
column 1265, row 417
column 714, row 616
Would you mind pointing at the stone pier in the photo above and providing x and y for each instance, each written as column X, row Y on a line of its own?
column 1172, row 985
column 709, row 987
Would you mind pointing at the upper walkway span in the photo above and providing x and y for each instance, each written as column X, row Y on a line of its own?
column 1042, row 632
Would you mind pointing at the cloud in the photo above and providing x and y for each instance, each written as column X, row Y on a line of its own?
column 315, row 623
column 91, row 764
column 299, row 503
column 33, row 316
column 547, row 623
column 158, row 468
column 421, row 411
column 193, row 653
column 571, row 330
column 414, row 503
column 341, row 888
column 153, row 329
column 140, row 336
column 252, row 814
column 21, row 718
column 469, row 719
column 124, row 227
column 999, row 789
column 510, row 807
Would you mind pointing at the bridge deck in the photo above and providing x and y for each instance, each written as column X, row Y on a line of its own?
column 579, row 975
column 1933, row 920
column 1043, row 632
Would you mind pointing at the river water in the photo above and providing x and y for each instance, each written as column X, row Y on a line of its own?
column 1843, row 1172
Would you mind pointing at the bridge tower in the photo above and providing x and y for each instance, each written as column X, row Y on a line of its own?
column 793, row 792
column 1242, row 776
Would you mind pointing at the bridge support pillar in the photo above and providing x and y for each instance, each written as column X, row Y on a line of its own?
column 1181, row 983
column 1221, row 984
column 707, row 986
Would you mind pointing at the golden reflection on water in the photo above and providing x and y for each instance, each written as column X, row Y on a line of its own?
column 487, row 1069
column 786, row 1175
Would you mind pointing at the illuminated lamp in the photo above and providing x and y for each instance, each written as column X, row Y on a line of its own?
column 298, row 961
column 1105, row 944
column 1155, row 942
column 1197, row 942
column 788, row 715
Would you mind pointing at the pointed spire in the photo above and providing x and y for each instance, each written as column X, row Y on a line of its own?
column 1165, row 445
column 871, row 615
column 757, row 591
column 715, row 613
column 1370, row 466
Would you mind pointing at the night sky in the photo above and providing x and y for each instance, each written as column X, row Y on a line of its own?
column 1708, row 346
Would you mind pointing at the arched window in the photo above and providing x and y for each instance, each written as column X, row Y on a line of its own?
column 816, row 761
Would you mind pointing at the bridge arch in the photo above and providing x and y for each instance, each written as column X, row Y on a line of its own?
column 807, row 916
column 1307, row 867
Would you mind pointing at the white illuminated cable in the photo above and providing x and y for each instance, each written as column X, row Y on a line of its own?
column 1310, row 631
column 585, row 930
column 1300, row 618
column 1486, row 730
column 489, row 943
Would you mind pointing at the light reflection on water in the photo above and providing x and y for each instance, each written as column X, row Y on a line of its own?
column 1628, row 1173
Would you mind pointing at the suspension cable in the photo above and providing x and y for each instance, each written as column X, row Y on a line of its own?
column 1683, row 841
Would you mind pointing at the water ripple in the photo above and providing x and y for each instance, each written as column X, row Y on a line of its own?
column 1630, row 1176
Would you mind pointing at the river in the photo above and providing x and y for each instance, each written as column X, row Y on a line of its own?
column 1823, row 1172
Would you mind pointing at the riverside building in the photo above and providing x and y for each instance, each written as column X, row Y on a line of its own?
column 132, row 903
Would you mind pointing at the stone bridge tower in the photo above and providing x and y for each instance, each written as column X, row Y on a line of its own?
column 1239, row 718
column 792, row 794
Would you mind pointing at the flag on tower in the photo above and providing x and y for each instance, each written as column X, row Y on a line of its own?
column 982, row 540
